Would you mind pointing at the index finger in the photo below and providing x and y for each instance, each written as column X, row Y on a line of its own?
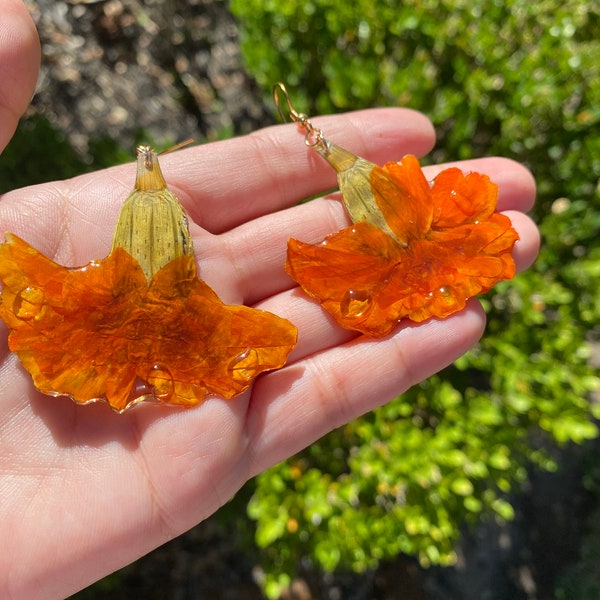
column 220, row 184
column 227, row 183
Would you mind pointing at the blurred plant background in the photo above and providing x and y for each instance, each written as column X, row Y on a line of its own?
column 428, row 479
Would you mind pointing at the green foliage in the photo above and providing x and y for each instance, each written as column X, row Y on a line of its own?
column 104, row 588
column 496, row 77
column 395, row 481
column 39, row 152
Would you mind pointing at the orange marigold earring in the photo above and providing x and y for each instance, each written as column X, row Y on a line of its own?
column 415, row 249
column 139, row 324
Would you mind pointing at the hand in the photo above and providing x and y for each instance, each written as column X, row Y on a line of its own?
column 86, row 491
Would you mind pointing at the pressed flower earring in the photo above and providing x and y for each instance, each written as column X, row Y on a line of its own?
column 139, row 324
column 415, row 249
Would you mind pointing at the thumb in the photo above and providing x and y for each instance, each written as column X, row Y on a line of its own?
column 19, row 65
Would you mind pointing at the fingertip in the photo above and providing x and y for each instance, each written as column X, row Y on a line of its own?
column 422, row 130
column 527, row 246
column 20, row 55
column 516, row 184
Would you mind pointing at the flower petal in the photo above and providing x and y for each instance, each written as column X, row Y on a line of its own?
column 448, row 245
column 459, row 198
column 403, row 195
column 101, row 333
column 346, row 273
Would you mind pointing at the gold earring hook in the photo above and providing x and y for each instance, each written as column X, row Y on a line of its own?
column 313, row 136
column 294, row 115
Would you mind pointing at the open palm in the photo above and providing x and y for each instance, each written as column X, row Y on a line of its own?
column 84, row 490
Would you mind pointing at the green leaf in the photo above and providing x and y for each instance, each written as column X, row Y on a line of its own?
column 462, row 486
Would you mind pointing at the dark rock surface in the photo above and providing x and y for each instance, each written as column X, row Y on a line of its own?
column 113, row 68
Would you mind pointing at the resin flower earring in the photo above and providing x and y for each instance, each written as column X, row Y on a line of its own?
column 415, row 249
column 139, row 324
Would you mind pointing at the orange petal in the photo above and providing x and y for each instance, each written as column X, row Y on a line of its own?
column 459, row 198
column 453, row 247
column 101, row 333
column 346, row 273
column 402, row 193
column 216, row 347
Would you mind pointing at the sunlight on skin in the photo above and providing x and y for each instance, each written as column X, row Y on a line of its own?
column 86, row 491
